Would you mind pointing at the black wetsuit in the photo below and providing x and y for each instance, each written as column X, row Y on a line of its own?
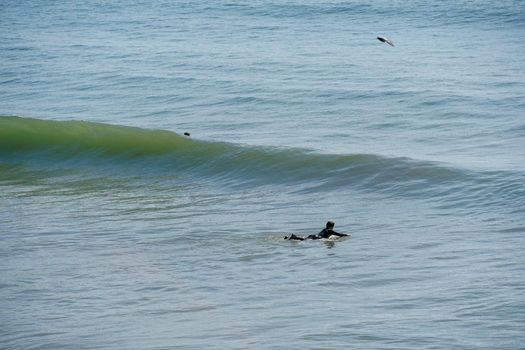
column 325, row 233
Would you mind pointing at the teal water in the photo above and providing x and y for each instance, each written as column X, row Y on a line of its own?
column 119, row 232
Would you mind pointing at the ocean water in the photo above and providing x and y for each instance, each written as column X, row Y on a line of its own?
column 119, row 232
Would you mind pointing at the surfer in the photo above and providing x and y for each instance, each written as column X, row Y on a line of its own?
column 327, row 232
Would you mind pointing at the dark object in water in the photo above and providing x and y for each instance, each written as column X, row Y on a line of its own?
column 327, row 232
column 186, row 134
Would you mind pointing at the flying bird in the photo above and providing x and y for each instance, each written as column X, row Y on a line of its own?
column 385, row 40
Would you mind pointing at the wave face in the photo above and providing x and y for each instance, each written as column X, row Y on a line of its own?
column 146, row 154
column 26, row 135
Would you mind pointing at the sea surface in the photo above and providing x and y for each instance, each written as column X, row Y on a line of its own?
column 117, row 231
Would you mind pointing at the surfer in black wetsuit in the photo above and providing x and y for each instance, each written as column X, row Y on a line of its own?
column 325, row 233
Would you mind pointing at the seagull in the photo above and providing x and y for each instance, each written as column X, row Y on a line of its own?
column 385, row 40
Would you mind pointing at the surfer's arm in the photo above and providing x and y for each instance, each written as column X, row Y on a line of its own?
column 339, row 234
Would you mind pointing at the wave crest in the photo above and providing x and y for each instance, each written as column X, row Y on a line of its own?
column 158, row 153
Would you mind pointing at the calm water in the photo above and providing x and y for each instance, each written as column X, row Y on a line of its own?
column 117, row 232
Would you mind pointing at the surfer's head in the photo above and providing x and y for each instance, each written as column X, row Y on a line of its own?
column 330, row 224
